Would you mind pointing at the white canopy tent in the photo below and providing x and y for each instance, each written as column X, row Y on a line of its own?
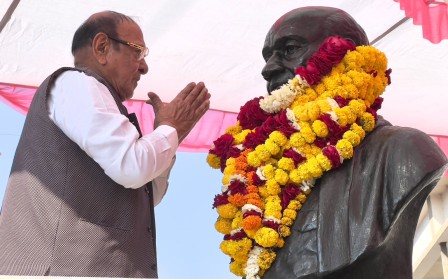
column 219, row 42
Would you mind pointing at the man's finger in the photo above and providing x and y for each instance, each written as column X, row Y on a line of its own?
column 154, row 101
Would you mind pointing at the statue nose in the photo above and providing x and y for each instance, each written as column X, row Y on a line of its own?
column 273, row 66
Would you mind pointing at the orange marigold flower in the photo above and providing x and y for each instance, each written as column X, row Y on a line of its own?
column 252, row 222
column 252, row 188
column 237, row 199
column 256, row 202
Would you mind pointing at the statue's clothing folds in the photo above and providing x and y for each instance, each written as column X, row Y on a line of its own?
column 359, row 215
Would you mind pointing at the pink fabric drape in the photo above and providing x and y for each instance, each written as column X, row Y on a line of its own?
column 201, row 138
column 432, row 15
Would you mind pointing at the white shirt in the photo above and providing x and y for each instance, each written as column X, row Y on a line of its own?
column 86, row 112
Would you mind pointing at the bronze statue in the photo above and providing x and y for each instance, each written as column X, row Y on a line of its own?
column 359, row 221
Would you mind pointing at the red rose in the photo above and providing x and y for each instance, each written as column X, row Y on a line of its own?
column 334, row 48
column 251, row 115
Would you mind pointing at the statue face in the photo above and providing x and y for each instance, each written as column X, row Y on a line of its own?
column 289, row 44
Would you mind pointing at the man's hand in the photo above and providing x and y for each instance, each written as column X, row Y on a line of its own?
column 184, row 111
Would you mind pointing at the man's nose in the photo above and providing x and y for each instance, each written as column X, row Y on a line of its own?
column 273, row 66
column 143, row 67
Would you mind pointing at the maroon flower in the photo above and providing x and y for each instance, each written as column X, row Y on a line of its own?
column 290, row 192
column 377, row 103
column 271, row 224
column 321, row 142
column 225, row 149
column 310, row 73
column 251, row 115
column 334, row 48
column 237, row 236
column 388, row 72
column 342, row 102
column 237, row 186
column 333, row 155
column 257, row 180
column 295, row 156
column 283, row 124
column 220, row 199
column 254, row 139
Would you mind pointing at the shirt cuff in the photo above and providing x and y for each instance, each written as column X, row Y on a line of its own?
column 170, row 133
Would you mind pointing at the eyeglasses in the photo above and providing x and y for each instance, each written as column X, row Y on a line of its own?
column 143, row 50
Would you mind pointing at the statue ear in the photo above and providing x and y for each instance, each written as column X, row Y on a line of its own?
column 100, row 47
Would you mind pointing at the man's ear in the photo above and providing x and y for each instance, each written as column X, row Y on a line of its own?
column 101, row 46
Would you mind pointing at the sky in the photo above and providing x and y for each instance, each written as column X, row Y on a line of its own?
column 187, row 243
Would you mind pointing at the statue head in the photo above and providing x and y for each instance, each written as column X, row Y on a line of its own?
column 295, row 36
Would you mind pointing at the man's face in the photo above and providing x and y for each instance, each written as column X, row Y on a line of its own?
column 123, row 69
column 289, row 44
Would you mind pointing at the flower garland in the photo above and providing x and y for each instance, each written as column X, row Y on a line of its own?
column 283, row 142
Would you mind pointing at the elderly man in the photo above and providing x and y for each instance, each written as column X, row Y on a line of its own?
column 359, row 220
column 79, row 201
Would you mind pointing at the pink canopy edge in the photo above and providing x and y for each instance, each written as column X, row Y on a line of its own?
column 200, row 139
column 431, row 15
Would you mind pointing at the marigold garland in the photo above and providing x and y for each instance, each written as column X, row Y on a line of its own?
column 283, row 142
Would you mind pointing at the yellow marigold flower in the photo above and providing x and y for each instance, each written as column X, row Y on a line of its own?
column 287, row 221
column 294, row 176
column 315, row 151
column 331, row 82
column 227, row 210
column 345, row 148
column 278, row 137
column 272, row 147
column 284, row 231
column 266, row 237
column 281, row 177
column 342, row 117
column 239, row 137
column 238, row 249
column 290, row 213
column 324, row 106
column 296, row 140
column 307, row 134
column 266, row 259
column 229, row 169
column 269, row 171
column 214, row 161
column 350, row 113
column 233, row 130
column 313, row 110
column 253, row 160
column 301, row 198
column 238, row 199
column 320, row 129
column 294, row 205
column 252, row 222
column 263, row 191
column 358, row 130
column 319, row 88
column 280, row 243
column 352, row 137
column 262, row 152
column 304, row 173
column 237, row 222
column 223, row 225
column 358, row 107
column 324, row 162
column 314, row 167
column 273, row 187
column 301, row 113
column 367, row 122
column 311, row 93
column 226, row 179
column 286, row 164
column 237, row 268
